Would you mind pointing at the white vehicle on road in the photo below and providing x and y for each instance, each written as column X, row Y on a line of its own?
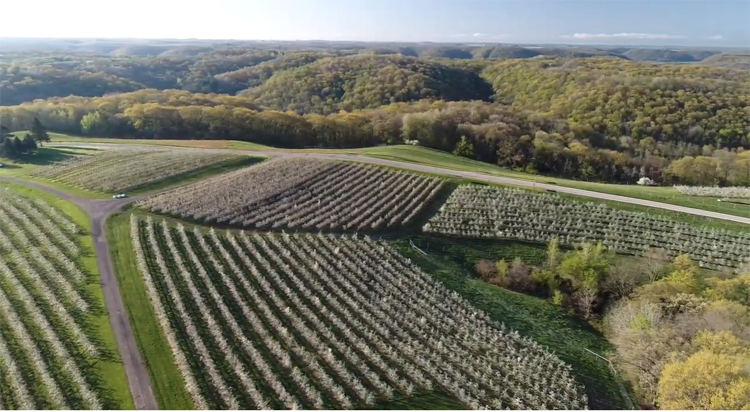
column 119, row 196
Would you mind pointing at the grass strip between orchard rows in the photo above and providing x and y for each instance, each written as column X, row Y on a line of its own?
column 166, row 380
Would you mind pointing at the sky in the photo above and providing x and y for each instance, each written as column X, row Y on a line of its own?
column 723, row 23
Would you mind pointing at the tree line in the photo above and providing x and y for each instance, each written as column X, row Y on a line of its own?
column 490, row 132
column 13, row 147
column 681, row 335
column 598, row 119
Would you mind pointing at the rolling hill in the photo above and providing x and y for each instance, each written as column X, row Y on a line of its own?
column 359, row 82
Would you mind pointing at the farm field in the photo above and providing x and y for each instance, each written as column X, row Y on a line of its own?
column 406, row 224
column 192, row 294
column 426, row 156
column 24, row 168
column 303, row 194
column 57, row 350
column 430, row 157
column 735, row 192
column 314, row 325
column 484, row 212
column 118, row 170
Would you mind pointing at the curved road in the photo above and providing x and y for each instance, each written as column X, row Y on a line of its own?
column 453, row 173
column 98, row 211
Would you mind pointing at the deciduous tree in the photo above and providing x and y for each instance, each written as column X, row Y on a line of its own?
column 706, row 381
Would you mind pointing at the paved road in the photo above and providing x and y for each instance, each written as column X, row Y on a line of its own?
column 455, row 173
column 98, row 211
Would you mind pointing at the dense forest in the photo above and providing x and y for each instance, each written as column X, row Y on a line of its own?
column 361, row 82
column 694, row 104
column 584, row 113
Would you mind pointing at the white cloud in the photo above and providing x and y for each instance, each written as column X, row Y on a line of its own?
column 482, row 36
column 490, row 36
column 630, row 36
column 716, row 37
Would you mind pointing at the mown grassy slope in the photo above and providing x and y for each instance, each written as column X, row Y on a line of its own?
column 565, row 335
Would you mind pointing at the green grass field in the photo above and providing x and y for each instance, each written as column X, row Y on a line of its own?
column 168, row 387
column 214, row 144
column 111, row 371
column 450, row 262
column 466, row 252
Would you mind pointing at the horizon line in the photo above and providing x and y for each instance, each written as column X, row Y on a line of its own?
column 470, row 44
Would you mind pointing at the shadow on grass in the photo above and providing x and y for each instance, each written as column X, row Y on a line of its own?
column 194, row 175
column 45, row 156
column 78, row 149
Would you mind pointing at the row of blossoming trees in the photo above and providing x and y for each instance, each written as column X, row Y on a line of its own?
column 681, row 333
column 304, row 194
column 486, row 212
column 117, row 170
column 49, row 348
column 323, row 321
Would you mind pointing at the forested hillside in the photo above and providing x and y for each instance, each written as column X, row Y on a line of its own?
column 360, row 82
column 667, row 55
column 20, row 84
column 253, row 76
column 584, row 113
column 29, row 76
column 691, row 104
